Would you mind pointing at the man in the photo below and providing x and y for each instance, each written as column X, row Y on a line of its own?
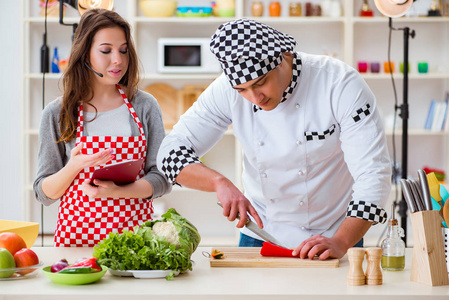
column 316, row 165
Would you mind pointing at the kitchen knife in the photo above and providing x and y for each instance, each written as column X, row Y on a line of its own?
column 408, row 196
column 417, row 192
column 425, row 189
column 259, row 232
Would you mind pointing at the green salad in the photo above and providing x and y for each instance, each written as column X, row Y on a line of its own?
column 165, row 244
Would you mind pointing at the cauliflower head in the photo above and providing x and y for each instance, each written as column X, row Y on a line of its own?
column 166, row 230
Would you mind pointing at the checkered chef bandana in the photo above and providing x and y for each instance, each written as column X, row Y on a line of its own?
column 247, row 49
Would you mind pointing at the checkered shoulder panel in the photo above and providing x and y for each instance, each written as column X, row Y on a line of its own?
column 177, row 160
column 366, row 211
column 361, row 113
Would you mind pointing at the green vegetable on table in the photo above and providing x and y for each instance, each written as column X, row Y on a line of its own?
column 78, row 270
column 165, row 244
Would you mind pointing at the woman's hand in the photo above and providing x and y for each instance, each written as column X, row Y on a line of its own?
column 55, row 185
column 81, row 161
column 100, row 189
column 108, row 189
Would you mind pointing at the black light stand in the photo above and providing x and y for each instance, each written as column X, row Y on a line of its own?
column 73, row 3
column 45, row 69
column 404, row 113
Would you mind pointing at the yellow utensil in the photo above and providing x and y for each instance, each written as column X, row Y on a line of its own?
column 434, row 186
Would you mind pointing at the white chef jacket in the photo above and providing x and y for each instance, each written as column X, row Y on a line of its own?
column 316, row 157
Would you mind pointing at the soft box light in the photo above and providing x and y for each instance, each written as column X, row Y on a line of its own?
column 393, row 8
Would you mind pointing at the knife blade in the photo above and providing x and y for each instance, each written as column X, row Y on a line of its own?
column 259, row 232
column 263, row 234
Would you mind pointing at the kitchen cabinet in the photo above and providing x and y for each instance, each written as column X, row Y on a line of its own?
column 347, row 37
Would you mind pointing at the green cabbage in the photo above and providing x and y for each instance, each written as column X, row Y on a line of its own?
column 142, row 249
column 189, row 238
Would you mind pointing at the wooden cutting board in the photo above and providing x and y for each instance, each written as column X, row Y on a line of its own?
column 244, row 257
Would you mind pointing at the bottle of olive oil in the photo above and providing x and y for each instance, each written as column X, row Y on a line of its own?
column 393, row 247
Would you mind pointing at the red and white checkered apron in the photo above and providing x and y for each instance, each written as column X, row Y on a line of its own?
column 85, row 222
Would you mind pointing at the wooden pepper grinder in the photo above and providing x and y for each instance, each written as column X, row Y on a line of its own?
column 373, row 271
column 355, row 274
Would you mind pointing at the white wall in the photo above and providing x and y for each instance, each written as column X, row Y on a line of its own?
column 11, row 116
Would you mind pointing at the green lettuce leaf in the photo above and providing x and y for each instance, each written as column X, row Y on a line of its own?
column 140, row 249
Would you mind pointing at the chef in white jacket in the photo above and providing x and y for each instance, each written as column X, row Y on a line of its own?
column 316, row 168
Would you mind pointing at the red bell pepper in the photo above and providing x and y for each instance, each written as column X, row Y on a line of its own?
column 91, row 262
column 269, row 249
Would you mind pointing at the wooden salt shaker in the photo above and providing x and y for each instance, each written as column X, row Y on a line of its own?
column 373, row 271
column 355, row 275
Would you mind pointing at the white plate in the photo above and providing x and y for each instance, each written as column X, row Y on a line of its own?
column 143, row 273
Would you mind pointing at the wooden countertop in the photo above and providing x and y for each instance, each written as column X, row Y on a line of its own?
column 206, row 282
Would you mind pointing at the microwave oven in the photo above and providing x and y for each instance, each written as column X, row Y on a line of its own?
column 186, row 55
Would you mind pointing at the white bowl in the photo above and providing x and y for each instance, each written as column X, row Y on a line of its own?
column 21, row 273
column 158, row 8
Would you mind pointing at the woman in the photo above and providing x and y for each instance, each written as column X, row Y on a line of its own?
column 101, row 118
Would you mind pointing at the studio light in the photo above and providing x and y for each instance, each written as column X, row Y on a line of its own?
column 82, row 6
column 393, row 9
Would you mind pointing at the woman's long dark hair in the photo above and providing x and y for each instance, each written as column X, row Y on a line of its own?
column 77, row 78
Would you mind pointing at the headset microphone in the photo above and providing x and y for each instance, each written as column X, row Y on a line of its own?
column 99, row 74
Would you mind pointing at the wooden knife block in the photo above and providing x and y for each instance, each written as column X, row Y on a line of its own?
column 428, row 262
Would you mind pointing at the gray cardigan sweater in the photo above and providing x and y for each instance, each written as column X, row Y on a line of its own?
column 53, row 156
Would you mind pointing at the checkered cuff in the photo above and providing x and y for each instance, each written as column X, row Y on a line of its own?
column 366, row 211
column 177, row 160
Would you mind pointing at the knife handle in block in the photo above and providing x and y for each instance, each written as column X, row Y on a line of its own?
column 420, row 200
column 408, row 196
column 425, row 188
